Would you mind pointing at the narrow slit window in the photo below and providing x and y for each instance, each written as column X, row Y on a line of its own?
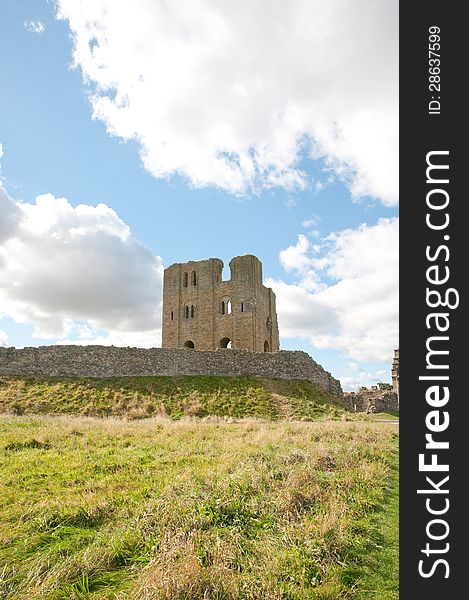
column 194, row 278
column 172, row 315
column 222, row 307
column 185, row 279
column 192, row 311
column 242, row 306
column 186, row 312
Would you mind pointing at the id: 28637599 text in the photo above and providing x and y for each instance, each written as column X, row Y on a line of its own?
column 434, row 68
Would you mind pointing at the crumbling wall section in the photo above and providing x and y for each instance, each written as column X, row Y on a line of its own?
column 371, row 401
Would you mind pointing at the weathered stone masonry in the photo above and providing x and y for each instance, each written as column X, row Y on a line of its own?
column 110, row 361
column 371, row 401
column 202, row 312
column 395, row 372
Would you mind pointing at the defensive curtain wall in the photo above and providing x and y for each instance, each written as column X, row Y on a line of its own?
column 110, row 361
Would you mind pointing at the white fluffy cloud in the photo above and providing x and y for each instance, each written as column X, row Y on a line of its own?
column 34, row 27
column 10, row 216
column 234, row 94
column 62, row 266
column 346, row 297
column 361, row 377
column 3, row 339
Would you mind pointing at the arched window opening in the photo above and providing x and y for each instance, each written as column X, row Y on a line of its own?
column 225, row 307
column 192, row 311
column 189, row 344
column 242, row 306
column 193, row 278
column 266, row 346
column 186, row 312
column 185, row 280
column 225, row 342
column 172, row 315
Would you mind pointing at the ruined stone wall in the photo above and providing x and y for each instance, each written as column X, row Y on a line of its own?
column 110, row 361
column 202, row 310
column 371, row 401
column 395, row 372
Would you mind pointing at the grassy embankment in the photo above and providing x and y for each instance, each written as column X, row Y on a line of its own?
column 141, row 397
column 155, row 508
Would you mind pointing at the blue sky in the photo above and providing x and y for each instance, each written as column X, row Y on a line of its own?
column 320, row 210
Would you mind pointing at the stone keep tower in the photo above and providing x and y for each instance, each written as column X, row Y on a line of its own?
column 203, row 312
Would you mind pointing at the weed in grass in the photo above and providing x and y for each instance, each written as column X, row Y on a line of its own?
column 28, row 444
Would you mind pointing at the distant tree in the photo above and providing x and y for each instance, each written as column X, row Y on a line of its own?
column 387, row 387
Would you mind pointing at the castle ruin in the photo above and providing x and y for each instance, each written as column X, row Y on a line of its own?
column 395, row 372
column 202, row 312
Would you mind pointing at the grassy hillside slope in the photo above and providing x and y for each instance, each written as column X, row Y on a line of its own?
column 141, row 397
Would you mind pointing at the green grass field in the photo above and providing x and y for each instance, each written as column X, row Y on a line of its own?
column 107, row 508
column 191, row 488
